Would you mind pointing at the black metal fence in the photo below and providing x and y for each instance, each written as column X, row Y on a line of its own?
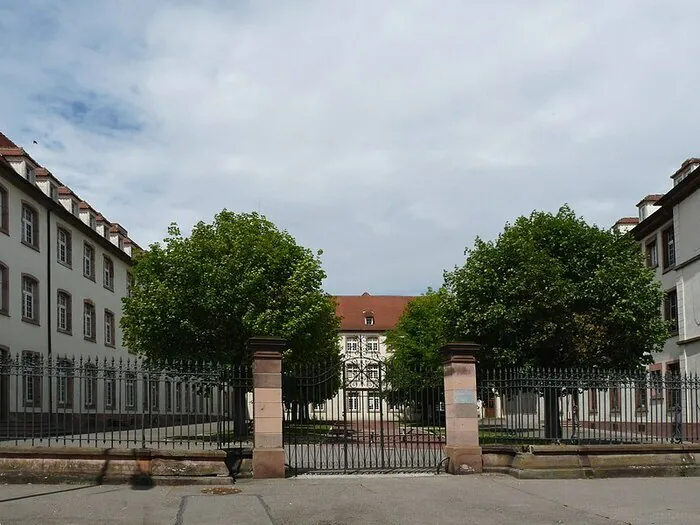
column 123, row 403
column 356, row 416
column 587, row 407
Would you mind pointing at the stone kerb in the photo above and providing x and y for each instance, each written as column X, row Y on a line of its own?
column 461, row 415
column 268, row 451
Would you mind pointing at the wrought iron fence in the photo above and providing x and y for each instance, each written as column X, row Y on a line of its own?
column 518, row 406
column 70, row 401
column 357, row 416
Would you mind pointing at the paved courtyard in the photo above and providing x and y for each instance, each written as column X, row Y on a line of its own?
column 324, row 500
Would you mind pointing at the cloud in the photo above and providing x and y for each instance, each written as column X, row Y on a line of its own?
column 389, row 134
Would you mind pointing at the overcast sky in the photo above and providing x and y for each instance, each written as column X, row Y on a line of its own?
column 387, row 133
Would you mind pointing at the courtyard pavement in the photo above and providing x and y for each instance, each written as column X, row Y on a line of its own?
column 325, row 500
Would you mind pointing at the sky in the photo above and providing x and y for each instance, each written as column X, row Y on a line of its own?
column 389, row 134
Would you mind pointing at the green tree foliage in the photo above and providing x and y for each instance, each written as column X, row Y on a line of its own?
column 202, row 297
column 554, row 291
column 415, row 342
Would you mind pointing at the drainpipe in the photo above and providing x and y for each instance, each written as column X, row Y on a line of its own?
column 48, row 314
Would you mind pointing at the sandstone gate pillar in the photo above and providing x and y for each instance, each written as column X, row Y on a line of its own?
column 268, row 451
column 461, row 418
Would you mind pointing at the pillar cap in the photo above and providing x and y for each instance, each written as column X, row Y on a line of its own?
column 270, row 346
column 464, row 352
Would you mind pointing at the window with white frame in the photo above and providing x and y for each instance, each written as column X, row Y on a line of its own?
column 369, row 320
column 155, row 395
column 89, row 261
column 373, row 346
column 30, row 299
column 64, row 383
column 374, row 402
column 109, row 328
column 353, row 402
column 89, row 321
column 110, row 384
column 129, row 284
column 352, row 372
column 319, row 407
column 108, row 267
column 30, row 226
column 373, row 372
column 351, row 346
column 64, row 248
column 90, row 388
column 188, row 397
column 32, row 368
column 130, row 390
column 64, row 312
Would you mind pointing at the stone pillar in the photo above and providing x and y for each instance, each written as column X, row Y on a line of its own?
column 461, row 417
column 268, row 451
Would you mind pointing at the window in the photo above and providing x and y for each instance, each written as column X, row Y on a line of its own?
column 65, row 248
column 369, row 320
column 30, row 227
column 656, row 384
column 168, row 396
column 130, row 390
column 109, row 388
column 108, row 266
column 89, row 261
column 652, row 255
column 178, row 397
column 64, row 383
column 351, row 346
column 155, row 395
column 31, row 366
column 90, row 388
column 4, row 211
column 640, row 394
column 352, row 371
column 129, row 284
column 30, row 299
column 669, row 241
column 615, row 399
column 64, row 314
column 673, row 386
column 353, row 402
column 188, row 398
column 109, row 328
column 593, row 401
column 374, row 402
column 93, row 222
column 373, row 372
column 4, row 289
column 671, row 311
column 373, row 346
column 319, row 407
column 89, row 321
column 74, row 208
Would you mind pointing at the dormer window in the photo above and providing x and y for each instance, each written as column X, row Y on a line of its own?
column 31, row 177
column 53, row 190
column 93, row 222
column 74, row 208
column 369, row 320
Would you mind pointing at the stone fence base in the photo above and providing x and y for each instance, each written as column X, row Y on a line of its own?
column 136, row 466
column 592, row 461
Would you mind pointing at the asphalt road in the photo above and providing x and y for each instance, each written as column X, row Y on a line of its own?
column 323, row 500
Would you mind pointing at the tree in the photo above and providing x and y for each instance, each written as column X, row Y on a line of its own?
column 414, row 370
column 202, row 297
column 554, row 291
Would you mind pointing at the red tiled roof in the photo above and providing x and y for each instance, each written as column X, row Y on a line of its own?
column 628, row 220
column 5, row 142
column 386, row 310
column 650, row 198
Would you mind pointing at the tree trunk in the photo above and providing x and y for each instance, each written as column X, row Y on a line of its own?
column 552, row 422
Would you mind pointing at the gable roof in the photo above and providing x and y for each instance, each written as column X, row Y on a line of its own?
column 386, row 310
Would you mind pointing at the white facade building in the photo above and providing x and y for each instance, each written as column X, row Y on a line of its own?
column 64, row 270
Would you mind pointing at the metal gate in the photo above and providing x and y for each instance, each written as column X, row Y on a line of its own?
column 363, row 415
